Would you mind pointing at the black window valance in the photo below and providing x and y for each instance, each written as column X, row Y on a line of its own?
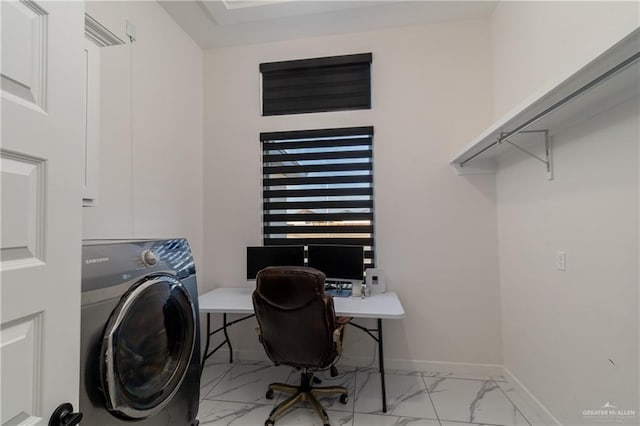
column 332, row 83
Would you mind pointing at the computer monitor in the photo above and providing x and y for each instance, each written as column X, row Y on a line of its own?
column 260, row 257
column 338, row 262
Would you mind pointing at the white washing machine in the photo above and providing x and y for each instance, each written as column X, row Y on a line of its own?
column 140, row 334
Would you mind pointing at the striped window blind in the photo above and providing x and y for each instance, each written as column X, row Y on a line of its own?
column 333, row 83
column 318, row 188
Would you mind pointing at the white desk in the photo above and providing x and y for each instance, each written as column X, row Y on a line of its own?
column 237, row 300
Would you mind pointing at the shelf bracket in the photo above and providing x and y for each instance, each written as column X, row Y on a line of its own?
column 504, row 137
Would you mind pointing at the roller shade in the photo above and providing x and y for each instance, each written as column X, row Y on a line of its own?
column 318, row 188
column 333, row 83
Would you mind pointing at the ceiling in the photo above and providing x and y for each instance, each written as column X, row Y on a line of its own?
column 218, row 23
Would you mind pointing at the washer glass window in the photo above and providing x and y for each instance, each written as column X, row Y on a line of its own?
column 148, row 346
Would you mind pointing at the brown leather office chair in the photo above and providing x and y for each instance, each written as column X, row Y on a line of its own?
column 297, row 326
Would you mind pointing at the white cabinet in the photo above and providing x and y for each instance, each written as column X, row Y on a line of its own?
column 96, row 38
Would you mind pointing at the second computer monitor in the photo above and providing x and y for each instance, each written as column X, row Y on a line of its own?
column 337, row 262
column 260, row 257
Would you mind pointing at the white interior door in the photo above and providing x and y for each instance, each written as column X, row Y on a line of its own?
column 41, row 176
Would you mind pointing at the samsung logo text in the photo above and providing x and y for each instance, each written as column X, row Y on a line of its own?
column 96, row 260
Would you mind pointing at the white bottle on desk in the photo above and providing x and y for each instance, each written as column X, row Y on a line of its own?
column 365, row 292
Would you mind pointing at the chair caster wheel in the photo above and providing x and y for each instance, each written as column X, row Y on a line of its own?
column 344, row 398
column 269, row 395
column 269, row 423
column 316, row 380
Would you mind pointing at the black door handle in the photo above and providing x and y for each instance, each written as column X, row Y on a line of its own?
column 64, row 416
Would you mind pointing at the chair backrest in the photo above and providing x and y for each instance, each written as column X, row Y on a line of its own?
column 296, row 318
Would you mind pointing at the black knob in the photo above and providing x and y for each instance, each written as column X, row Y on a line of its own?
column 64, row 416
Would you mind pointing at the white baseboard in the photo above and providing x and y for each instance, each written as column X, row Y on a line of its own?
column 530, row 406
column 461, row 369
column 455, row 368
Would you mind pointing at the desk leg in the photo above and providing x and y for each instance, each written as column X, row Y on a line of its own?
column 226, row 336
column 224, row 327
column 381, row 367
column 206, row 348
column 227, row 341
column 378, row 339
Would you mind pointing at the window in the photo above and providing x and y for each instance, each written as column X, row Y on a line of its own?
column 318, row 188
column 333, row 83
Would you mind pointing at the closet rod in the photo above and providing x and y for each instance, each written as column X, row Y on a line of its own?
column 609, row 73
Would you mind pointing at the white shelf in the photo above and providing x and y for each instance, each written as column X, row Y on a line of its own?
column 610, row 79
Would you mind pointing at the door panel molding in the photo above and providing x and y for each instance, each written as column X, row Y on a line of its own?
column 24, row 53
column 21, row 349
column 23, row 210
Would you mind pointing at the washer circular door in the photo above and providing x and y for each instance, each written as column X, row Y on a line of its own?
column 147, row 347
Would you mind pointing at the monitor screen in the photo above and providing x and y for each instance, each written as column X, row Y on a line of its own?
column 260, row 257
column 337, row 262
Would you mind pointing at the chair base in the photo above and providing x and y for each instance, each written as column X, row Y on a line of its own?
column 305, row 392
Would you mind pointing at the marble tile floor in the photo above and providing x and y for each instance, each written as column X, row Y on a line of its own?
column 234, row 395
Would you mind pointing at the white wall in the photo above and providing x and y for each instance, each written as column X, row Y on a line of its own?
column 560, row 329
column 435, row 232
column 151, row 129
column 534, row 42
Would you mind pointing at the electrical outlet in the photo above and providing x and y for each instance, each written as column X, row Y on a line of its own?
column 561, row 260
